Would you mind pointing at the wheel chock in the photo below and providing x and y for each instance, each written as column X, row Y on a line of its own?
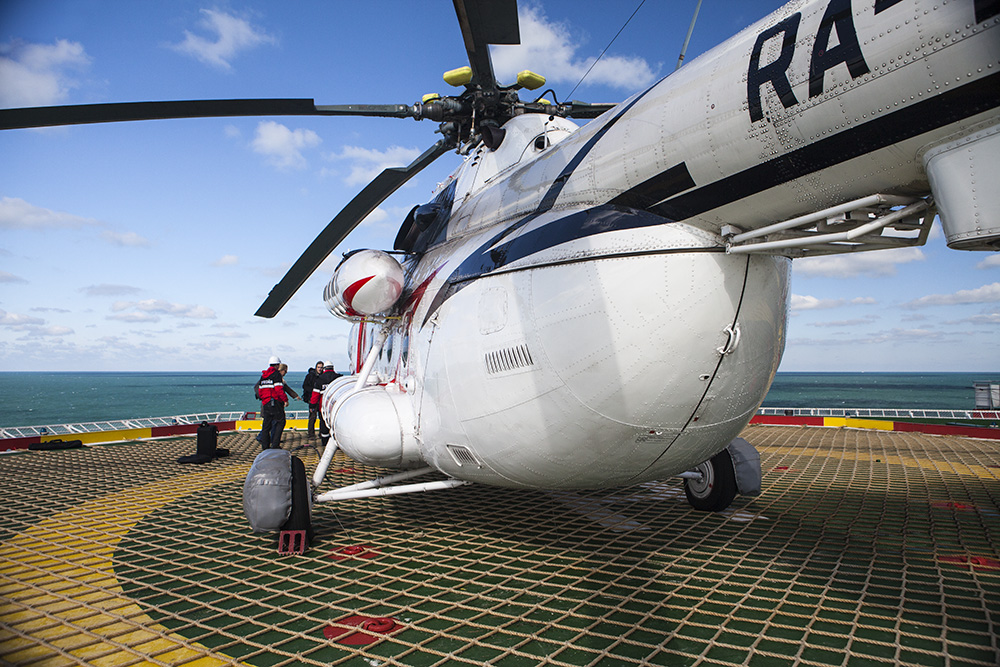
column 292, row 542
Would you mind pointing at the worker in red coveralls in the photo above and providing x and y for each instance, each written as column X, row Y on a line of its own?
column 270, row 390
column 322, row 381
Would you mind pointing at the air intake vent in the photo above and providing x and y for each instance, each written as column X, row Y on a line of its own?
column 463, row 456
column 508, row 359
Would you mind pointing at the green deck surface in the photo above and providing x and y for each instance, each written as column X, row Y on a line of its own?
column 865, row 548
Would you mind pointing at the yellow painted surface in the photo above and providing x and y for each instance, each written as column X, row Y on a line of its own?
column 255, row 424
column 926, row 464
column 851, row 422
column 64, row 563
column 103, row 436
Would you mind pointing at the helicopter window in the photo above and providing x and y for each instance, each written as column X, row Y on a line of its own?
column 541, row 142
column 425, row 225
column 432, row 219
column 408, row 232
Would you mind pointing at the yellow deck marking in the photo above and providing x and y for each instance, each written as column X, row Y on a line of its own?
column 61, row 592
column 103, row 436
column 981, row 472
column 854, row 422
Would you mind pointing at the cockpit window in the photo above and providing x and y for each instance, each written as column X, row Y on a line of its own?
column 426, row 225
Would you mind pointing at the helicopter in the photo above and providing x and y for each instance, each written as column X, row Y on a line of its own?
column 598, row 305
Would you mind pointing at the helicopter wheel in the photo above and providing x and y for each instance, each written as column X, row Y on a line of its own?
column 716, row 489
column 300, row 517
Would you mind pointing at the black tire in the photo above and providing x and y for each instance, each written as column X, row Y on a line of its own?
column 717, row 488
column 301, row 515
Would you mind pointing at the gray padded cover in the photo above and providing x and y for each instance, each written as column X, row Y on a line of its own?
column 267, row 492
column 746, row 461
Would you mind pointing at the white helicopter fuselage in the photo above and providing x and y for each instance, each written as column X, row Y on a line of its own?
column 576, row 320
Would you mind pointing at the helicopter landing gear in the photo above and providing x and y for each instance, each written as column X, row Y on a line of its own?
column 712, row 485
column 716, row 488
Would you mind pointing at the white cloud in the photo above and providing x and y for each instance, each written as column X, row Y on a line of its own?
column 125, row 239
column 134, row 317
column 550, row 46
column 852, row 265
column 893, row 336
column 367, row 163
column 226, row 260
column 383, row 221
column 283, row 147
column 6, row 277
column 229, row 334
column 50, row 330
column 35, row 74
column 802, row 302
column 109, row 290
column 375, row 218
column 985, row 294
column 991, row 262
column 18, row 214
column 15, row 320
column 845, row 323
column 985, row 318
column 229, row 36
column 161, row 307
column 32, row 327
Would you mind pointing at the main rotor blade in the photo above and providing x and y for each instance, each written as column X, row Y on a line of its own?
column 586, row 110
column 485, row 22
column 79, row 114
column 343, row 224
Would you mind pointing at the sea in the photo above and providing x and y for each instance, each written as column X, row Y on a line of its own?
column 48, row 398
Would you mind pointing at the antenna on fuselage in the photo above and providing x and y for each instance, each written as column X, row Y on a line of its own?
column 641, row 3
column 687, row 39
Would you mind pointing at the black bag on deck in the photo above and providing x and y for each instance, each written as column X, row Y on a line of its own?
column 208, row 449
column 53, row 445
column 208, row 439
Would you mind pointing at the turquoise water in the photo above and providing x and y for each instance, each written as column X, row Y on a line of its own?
column 36, row 399
column 942, row 391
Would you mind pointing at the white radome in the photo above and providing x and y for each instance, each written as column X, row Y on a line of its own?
column 369, row 282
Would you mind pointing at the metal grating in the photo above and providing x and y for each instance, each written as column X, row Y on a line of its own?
column 463, row 456
column 865, row 548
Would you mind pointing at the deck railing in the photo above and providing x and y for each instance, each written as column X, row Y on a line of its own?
column 881, row 413
column 216, row 417
column 126, row 424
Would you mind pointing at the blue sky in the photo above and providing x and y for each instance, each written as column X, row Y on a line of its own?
column 148, row 246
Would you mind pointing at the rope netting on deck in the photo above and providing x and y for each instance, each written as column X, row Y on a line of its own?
column 865, row 547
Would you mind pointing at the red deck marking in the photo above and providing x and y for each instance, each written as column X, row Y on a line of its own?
column 947, row 504
column 349, row 471
column 345, row 636
column 978, row 563
column 353, row 550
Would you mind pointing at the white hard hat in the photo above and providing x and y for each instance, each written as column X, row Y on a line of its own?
column 273, row 360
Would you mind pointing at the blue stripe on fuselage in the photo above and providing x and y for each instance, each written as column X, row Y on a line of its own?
column 497, row 253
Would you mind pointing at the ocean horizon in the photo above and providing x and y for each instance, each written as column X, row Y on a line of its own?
column 42, row 398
